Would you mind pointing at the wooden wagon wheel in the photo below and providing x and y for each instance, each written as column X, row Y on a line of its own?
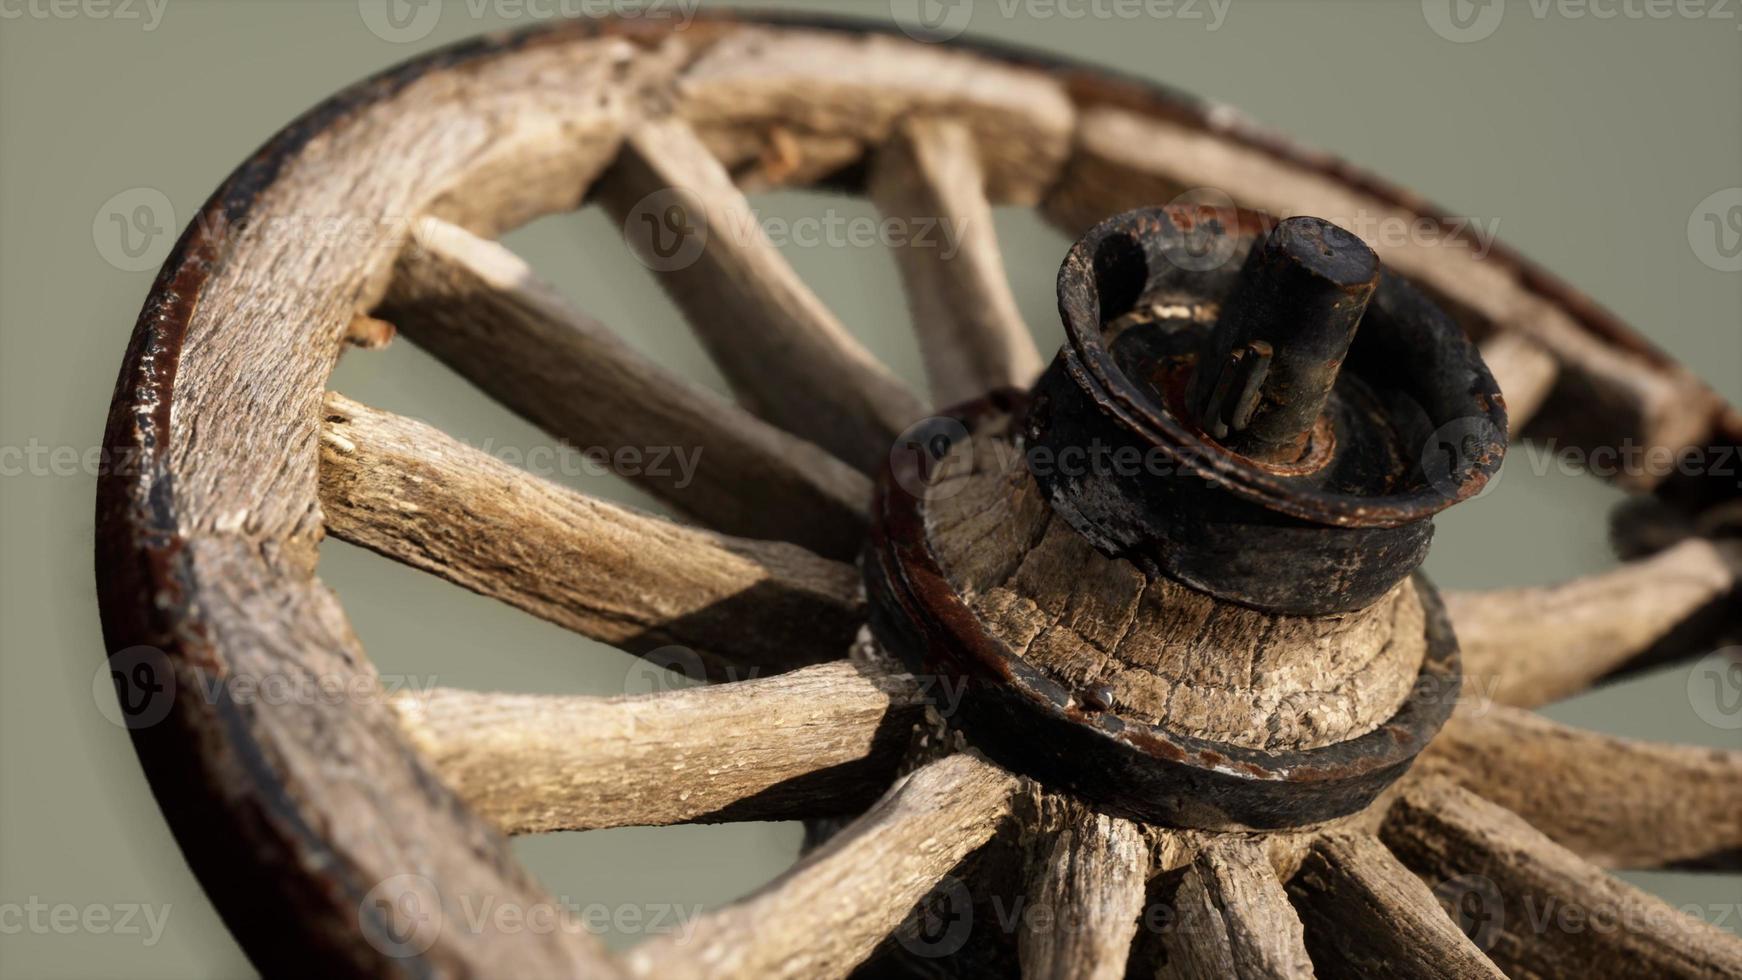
column 351, row 834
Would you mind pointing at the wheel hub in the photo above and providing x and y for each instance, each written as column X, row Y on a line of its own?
column 1223, row 447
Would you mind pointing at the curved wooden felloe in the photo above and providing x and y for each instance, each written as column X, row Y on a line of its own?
column 336, row 835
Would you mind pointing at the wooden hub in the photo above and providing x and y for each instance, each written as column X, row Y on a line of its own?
column 1133, row 610
column 1135, row 691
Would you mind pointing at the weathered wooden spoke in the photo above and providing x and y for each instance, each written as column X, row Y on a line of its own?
column 1367, row 915
column 401, row 488
column 1618, row 802
column 479, row 308
column 828, row 913
column 821, row 741
column 1531, row 646
column 928, row 177
column 1537, row 908
column 1239, row 732
column 1088, row 881
column 784, row 353
column 1232, row 919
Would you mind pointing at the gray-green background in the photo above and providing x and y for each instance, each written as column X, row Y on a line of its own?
column 1590, row 140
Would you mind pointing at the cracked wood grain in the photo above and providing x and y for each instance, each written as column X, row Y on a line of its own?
column 1539, row 909
column 1232, row 919
column 1088, row 878
column 1366, row 915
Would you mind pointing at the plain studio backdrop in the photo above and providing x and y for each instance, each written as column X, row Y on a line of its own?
column 1591, row 143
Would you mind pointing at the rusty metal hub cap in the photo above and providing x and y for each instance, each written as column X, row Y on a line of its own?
column 1253, row 414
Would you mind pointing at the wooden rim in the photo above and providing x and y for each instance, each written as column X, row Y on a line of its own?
column 206, row 544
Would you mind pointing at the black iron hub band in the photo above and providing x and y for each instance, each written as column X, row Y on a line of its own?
column 1412, row 421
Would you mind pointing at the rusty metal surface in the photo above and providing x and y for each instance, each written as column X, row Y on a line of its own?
column 1413, row 424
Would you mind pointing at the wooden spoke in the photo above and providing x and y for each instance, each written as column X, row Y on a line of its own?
column 479, row 308
column 410, row 492
column 1618, row 802
column 1090, row 879
column 1607, row 393
column 1539, row 908
column 822, row 741
column 1366, row 915
column 928, row 177
column 784, row 353
column 1527, row 647
column 1525, row 371
column 1233, row 919
column 828, row 913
